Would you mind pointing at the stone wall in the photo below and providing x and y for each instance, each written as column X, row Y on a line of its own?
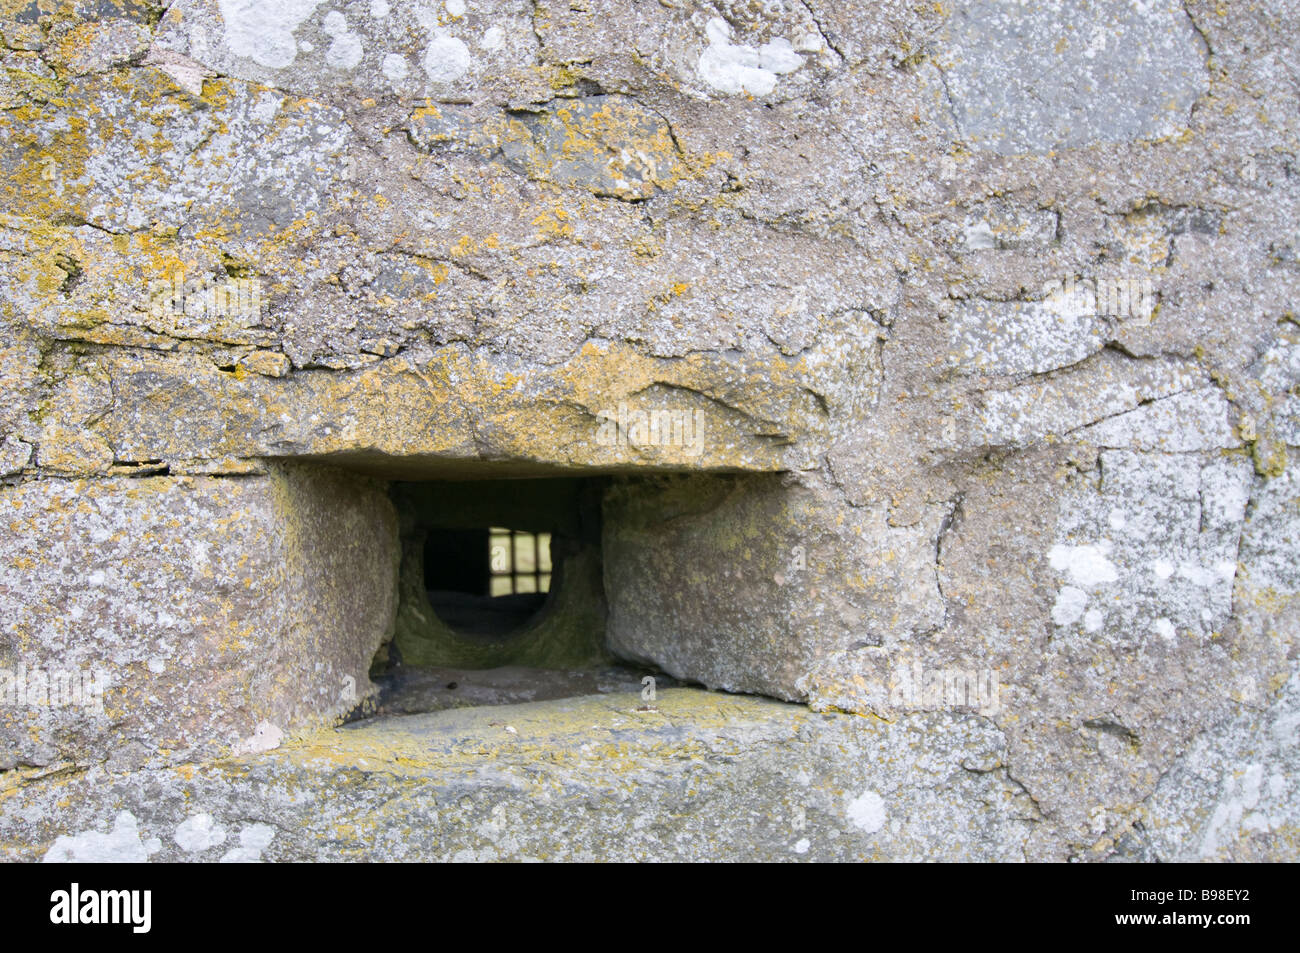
column 943, row 361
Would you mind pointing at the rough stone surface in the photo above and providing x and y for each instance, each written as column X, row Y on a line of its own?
column 943, row 359
column 202, row 612
column 1232, row 795
column 701, row 777
column 1032, row 77
column 749, row 585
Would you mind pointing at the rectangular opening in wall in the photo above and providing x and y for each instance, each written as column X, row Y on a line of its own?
column 501, row 596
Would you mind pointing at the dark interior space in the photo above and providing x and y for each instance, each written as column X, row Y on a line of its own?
column 500, row 572
column 488, row 581
column 457, row 560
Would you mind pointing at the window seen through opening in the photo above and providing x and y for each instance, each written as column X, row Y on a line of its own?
column 519, row 562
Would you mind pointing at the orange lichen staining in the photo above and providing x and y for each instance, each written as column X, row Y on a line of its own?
column 553, row 224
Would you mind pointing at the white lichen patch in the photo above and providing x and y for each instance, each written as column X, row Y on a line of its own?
column 1086, row 565
column 1070, row 605
column 121, row 845
column 263, row 32
column 395, row 67
column 200, row 832
column 345, row 49
column 867, row 812
column 446, row 59
column 978, row 236
column 735, row 68
column 253, row 839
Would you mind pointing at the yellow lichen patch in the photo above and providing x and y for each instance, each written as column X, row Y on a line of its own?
column 553, row 223
column 46, row 179
column 646, row 247
column 605, row 144
column 585, row 731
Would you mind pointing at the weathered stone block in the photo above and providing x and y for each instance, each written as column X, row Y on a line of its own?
column 752, row 584
column 1024, row 77
column 699, row 777
column 158, row 618
column 1232, row 795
